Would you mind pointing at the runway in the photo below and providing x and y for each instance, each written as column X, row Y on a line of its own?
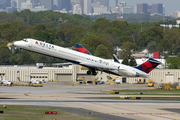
column 91, row 104
column 124, row 109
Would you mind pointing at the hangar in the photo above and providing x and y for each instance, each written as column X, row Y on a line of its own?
column 72, row 72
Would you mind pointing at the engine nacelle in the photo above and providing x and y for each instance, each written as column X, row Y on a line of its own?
column 133, row 74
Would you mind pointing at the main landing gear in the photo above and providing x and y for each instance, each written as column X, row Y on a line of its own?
column 92, row 71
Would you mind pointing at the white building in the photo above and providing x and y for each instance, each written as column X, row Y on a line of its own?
column 38, row 9
column 22, row 74
column 26, row 5
column 123, row 8
column 176, row 14
column 100, row 9
column 77, row 9
column 19, row 3
column 127, row 9
column 171, row 25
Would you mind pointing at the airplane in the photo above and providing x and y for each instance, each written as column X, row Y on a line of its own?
column 142, row 67
column 6, row 82
column 81, row 49
column 33, row 81
column 93, row 63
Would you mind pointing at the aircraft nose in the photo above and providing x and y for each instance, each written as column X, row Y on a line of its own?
column 17, row 43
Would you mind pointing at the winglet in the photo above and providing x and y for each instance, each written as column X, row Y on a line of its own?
column 115, row 59
column 81, row 49
column 148, row 66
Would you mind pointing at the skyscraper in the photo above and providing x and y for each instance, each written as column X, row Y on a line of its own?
column 104, row 2
column 112, row 4
column 157, row 8
column 142, row 8
column 13, row 4
column 87, row 6
column 5, row 3
column 82, row 6
column 19, row 3
column 48, row 4
column 64, row 4
column 34, row 2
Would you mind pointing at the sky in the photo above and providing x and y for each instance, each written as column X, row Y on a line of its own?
column 170, row 5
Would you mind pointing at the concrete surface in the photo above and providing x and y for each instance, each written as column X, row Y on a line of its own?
column 85, row 100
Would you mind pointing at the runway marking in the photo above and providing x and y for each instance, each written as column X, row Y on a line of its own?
column 164, row 117
column 140, row 112
column 155, row 114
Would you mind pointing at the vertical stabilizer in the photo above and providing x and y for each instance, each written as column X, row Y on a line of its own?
column 148, row 66
column 81, row 49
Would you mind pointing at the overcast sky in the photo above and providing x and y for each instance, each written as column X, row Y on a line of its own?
column 170, row 5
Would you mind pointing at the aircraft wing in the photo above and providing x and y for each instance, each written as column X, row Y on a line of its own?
column 99, row 67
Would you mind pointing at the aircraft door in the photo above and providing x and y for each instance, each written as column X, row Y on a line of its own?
column 30, row 43
column 118, row 68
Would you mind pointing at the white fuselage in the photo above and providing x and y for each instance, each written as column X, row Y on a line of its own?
column 5, row 82
column 79, row 58
column 34, row 81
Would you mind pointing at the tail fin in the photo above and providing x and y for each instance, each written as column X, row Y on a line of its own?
column 81, row 49
column 1, row 78
column 148, row 66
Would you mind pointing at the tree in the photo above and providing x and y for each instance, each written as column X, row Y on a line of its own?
column 25, row 34
column 132, row 62
column 125, row 61
column 172, row 38
column 99, row 23
column 93, row 41
column 42, row 35
column 153, row 33
column 9, row 34
column 101, row 51
column 73, row 33
column 151, row 46
column 173, row 62
column 24, row 58
column 127, row 49
column 163, row 45
column 5, row 56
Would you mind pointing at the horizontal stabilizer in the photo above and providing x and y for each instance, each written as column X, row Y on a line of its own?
column 115, row 58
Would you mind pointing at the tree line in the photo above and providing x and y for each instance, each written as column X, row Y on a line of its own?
column 98, row 36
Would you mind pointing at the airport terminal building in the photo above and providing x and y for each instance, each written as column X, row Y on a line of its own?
column 72, row 72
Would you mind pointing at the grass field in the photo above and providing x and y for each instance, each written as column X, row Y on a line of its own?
column 148, row 92
column 38, row 113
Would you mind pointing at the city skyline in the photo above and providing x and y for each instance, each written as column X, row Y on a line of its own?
column 170, row 7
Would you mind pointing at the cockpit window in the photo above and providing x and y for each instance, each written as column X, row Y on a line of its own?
column 25, row 40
